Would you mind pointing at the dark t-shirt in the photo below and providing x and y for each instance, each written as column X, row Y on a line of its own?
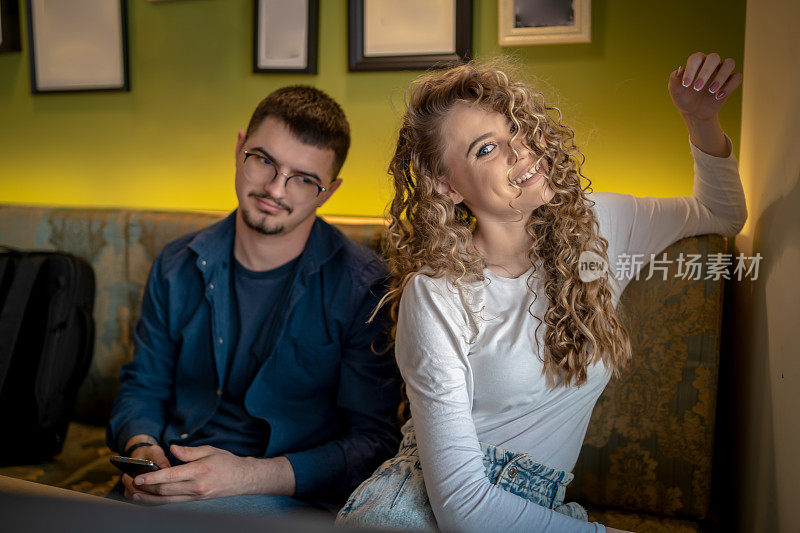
column 256, row 296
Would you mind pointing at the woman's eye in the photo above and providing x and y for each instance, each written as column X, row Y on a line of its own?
column 485, row 149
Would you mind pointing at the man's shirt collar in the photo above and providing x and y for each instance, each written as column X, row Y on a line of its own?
column 213, row 245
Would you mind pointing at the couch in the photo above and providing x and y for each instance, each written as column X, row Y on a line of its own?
column 646, row 460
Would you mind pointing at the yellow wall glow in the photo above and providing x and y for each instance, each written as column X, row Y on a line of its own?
column 169, row 142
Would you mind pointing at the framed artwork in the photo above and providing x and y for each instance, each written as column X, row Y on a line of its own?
column 77, row 46
column 526, row 22
column 285, row 36
column 9, row 26
column 408, row 35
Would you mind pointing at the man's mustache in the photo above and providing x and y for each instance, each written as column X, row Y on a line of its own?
column 279, row 203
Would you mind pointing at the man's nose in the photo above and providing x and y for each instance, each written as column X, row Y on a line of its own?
column 277, row 187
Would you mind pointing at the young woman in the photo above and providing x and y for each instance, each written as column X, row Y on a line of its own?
column 504, row 348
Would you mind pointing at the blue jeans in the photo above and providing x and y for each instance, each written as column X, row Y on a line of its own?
column 395, row 497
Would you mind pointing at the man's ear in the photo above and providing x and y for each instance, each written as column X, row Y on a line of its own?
column 444, row 187
column 330, row 189
column 239, row 143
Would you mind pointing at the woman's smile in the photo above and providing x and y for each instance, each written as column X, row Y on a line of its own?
column 531, row 176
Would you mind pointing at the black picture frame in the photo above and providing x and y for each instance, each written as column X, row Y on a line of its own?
column 358, row 62
column 39, row 87
column 9, row 25
column 312, row 31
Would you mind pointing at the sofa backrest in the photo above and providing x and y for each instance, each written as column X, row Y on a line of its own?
column 649, row 444
column 101, row 237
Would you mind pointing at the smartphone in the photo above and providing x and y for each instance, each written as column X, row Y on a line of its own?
column 134, row 467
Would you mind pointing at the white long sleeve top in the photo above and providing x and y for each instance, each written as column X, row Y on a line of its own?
column 477, row 377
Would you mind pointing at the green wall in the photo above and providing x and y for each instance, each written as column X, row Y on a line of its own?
column 169, row 142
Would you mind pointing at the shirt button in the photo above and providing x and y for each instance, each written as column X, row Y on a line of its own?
column 219, row 392
column 211, row 286
column 184, row 435
column 220, row 340
column 203, row 262
column 512, row 472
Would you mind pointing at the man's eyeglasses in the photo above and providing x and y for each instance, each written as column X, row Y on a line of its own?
column 259, row 169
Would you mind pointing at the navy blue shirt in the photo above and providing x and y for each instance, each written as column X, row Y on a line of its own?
column 255, row 304
column 329, row 400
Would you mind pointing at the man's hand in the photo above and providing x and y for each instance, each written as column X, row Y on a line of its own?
column 153, row 453
column 213, row 473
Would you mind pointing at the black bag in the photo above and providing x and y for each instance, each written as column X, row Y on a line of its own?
column 46, row 344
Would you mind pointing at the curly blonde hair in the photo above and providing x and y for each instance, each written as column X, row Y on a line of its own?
column 429, row 233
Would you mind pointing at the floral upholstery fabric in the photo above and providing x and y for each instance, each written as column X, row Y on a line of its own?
column 648, row 448
column 643, row 523
column 649, row 443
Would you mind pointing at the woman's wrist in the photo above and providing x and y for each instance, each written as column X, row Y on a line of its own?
column 707, row 135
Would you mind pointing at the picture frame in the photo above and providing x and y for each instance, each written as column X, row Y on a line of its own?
column 423, row 34
column 285, row 36
column 532, row 22
column 78, row 46
column 9, row 26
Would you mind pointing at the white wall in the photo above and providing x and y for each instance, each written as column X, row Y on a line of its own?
column 765, row 380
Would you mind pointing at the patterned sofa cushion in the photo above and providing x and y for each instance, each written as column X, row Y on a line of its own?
column 649, row 443
column 642, row 523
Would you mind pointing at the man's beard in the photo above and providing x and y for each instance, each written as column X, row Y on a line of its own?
column 264, row 228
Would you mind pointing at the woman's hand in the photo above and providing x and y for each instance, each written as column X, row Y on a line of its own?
column 701, row 88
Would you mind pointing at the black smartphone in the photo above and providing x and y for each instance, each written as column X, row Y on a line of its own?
column 134, row 467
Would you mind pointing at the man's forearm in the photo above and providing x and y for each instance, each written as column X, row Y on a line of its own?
column 127, row 424
column 273, row 475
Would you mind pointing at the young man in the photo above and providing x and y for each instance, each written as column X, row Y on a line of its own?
column 254, row 383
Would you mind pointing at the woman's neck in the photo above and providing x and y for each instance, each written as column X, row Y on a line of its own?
column 504, row 246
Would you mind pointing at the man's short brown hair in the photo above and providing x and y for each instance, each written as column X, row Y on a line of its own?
column 313, row 116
